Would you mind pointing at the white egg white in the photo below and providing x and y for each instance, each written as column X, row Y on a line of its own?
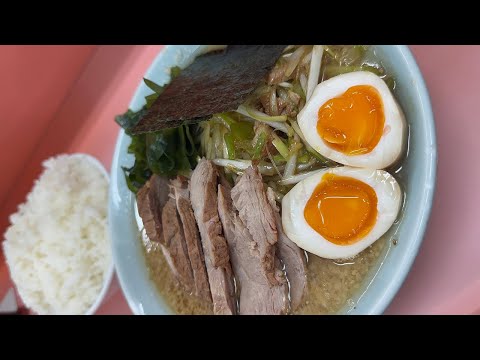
column 389, row 198
column 390, row 146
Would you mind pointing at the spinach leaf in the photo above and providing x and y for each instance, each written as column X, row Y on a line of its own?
column 174, row 72
column 166, row 152
column 151, row 99
column 159, row 159
column 155, row 87
column 140, row 172
column 129, row 119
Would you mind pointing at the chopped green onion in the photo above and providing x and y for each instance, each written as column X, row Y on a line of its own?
column 291, row 165
column 297, row 178
column 329, row 51
column 303, row 159
column 308, row 147
column 390, row 81
column 273, row 163
column 278, row 196
column 303, row 83
column 294, row 143
column 242, row 130
column 258, row 115
column 334, row 70
column 238, row 165
column 294, row 59
column 278, row 159
column 230, row 144
column 290, row 131
column 315, row 65
column 280, row 146
column 305, row 166
column 297, row 89
column 259, row 145
column 228, row 120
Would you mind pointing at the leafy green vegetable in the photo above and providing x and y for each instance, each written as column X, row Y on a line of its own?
column 167, row 152
column 190, row 148
column 139, row 173
column 174, row 72
column 181, row 159
column 157, row 88
column 129, row 119
column 151, row 99
column 158, row 158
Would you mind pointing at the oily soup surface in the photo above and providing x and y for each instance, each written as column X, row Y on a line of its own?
column 331, row 283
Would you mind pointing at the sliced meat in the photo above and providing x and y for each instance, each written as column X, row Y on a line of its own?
column 192, row 237
column 256, row 295
column 250, row 199
column 174, row 246
column 151, row 199
column 292, row 257
column 203, row 195
column 162, row 224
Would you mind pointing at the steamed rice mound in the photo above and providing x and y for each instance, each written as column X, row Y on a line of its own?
column 57, row 247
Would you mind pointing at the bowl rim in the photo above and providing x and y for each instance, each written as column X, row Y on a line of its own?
column 425, row 203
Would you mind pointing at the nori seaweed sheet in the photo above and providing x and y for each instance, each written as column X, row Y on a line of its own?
column 215, row 82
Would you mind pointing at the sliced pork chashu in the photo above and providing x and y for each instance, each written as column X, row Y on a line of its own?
column 250, row 200
column 203, row 196
column 151, row 199
column 180, row 190
column 162, row 225
column 174, row 247
column 292, row 257
column 256, row 295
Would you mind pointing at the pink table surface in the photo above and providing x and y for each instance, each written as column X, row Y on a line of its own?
column 67, row 97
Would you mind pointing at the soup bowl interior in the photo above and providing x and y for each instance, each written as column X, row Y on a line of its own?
column 416, row 176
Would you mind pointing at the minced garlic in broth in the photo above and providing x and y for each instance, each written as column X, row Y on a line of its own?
column 174, row 296
column 330, row 282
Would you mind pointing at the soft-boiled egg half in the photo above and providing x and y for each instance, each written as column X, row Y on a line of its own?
column 354, row 119
column 338, row 212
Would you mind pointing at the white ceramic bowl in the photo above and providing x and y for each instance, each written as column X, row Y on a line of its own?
column 111, row 269
column 386, row 277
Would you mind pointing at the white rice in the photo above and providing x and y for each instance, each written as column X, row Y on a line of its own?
column 57, row 248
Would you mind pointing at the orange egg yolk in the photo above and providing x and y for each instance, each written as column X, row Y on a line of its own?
column 342, row 209
column 353, row 122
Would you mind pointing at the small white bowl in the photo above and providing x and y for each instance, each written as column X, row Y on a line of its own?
column 111, row 270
